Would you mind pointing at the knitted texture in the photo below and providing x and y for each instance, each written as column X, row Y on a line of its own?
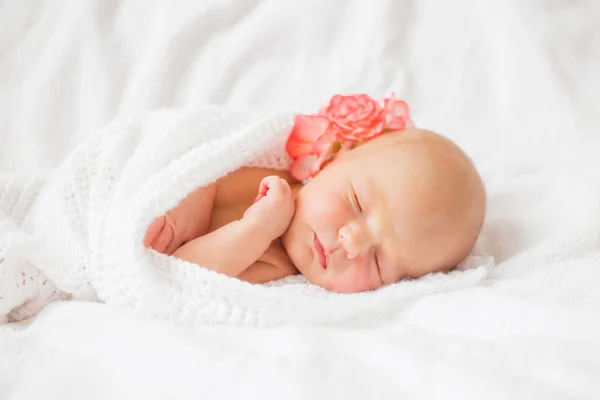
column 77, row 232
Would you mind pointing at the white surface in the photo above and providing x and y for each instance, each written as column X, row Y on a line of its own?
column 514, row 79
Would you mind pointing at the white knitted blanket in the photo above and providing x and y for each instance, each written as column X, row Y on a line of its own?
column 77, row 232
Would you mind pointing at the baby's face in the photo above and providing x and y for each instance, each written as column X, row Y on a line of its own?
column 367, row 220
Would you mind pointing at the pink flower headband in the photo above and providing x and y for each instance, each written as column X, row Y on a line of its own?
column 344, row 124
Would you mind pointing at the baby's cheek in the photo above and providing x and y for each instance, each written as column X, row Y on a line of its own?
column 297, row 242
column 328, row 213
column 353, row 279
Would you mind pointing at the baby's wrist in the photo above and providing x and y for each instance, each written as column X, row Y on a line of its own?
column 260, row 229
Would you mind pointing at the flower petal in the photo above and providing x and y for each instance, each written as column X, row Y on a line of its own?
column 324, row 143
column 401, row 109
column 321, row 159
column 301, row 168
column 336, row 100
column 351, row 102
column 390, row 103
column 400, row 116
column 395, row 123
column 307, row 129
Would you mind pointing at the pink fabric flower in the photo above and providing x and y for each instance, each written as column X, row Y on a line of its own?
column 345, row 123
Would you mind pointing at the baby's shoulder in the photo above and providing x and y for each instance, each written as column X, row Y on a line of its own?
column 241, row 186
column 274, row 264
column 277, row 256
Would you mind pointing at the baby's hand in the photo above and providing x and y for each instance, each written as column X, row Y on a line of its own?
column 274, row 206
column 186, row 221
column 160, row 236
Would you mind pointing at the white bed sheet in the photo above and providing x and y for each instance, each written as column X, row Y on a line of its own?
column 516, row 83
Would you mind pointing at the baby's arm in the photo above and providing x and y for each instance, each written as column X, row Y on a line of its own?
column 228, row 250
column 263, row 272
column 234, row 247
column 188, row 220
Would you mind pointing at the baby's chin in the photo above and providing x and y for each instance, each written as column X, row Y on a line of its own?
column 346, row 288
column 336, row 284
column 314, row 273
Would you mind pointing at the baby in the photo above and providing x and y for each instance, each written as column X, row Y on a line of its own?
column 405, row 203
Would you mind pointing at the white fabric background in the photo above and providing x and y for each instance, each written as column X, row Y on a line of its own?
column 516, row 83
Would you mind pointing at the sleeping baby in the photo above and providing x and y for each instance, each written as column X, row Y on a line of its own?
column 368, row 200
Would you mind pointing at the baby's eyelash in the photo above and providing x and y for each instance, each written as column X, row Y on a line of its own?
column 355, row 200
column 377, row 264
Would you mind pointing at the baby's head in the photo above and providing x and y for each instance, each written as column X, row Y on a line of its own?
column 400, row 206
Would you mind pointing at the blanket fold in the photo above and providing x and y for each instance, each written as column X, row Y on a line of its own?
column 77, row 232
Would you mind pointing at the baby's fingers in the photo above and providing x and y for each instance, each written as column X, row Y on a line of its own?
column 164, row 240
column 153, row 231
column 268, row 186
column 286, row 187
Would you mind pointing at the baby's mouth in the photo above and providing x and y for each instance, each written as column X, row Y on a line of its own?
column 320, row 252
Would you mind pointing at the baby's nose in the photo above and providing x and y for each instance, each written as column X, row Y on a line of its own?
column 354, row 239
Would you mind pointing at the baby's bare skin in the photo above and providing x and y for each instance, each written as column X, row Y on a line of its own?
column 400, row 206
column 211, row 208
